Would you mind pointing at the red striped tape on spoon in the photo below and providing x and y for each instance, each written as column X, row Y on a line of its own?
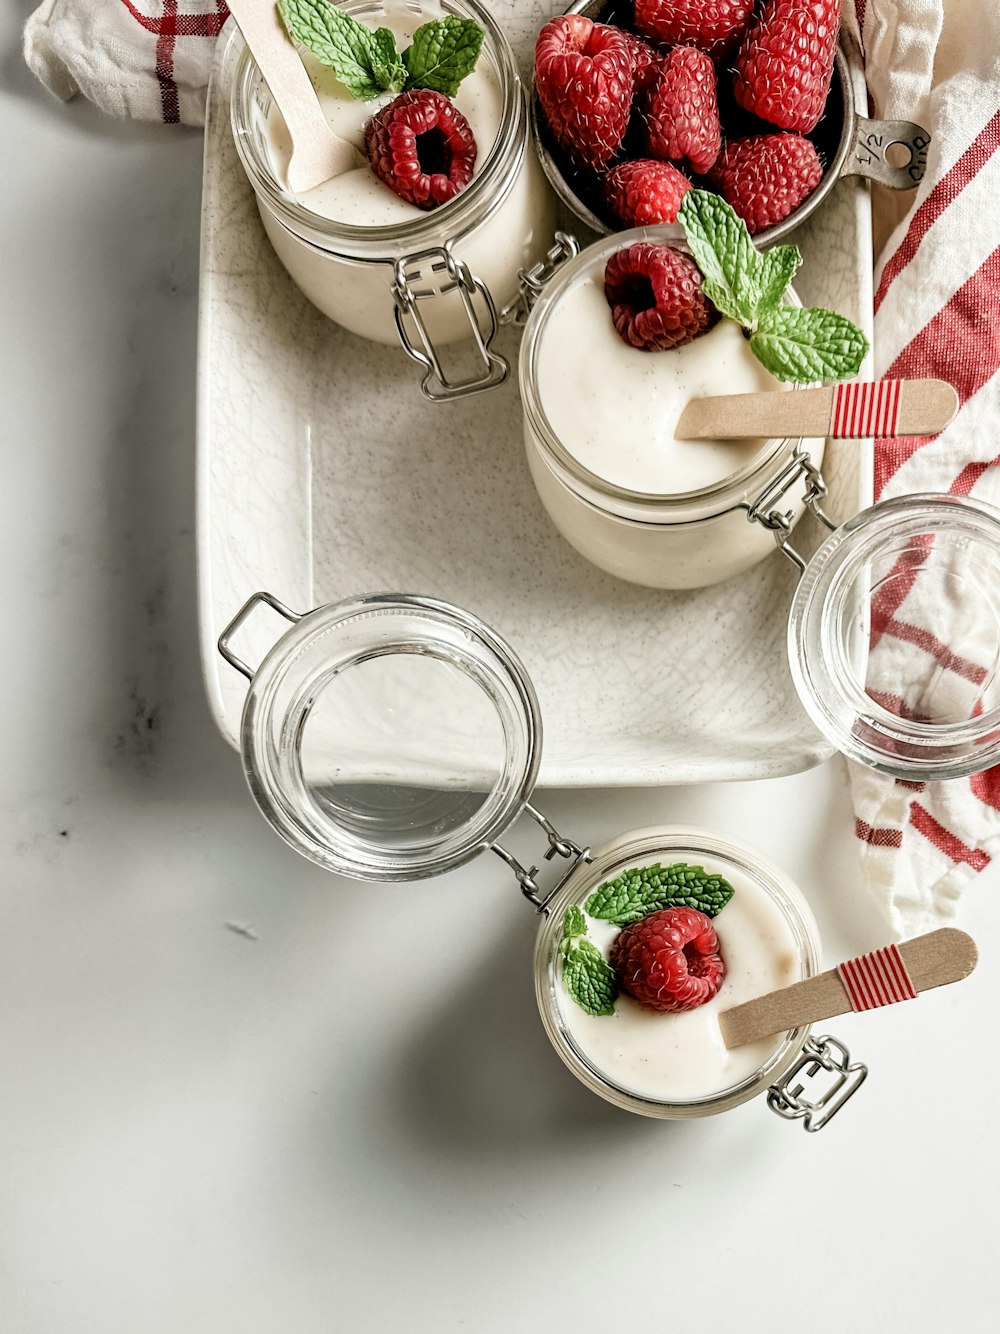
column 853, row 409
column 893, row 973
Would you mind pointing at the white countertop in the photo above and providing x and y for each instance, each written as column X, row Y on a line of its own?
column 348, row 1117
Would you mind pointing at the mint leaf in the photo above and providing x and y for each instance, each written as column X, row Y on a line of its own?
column 443, row 53
column 574, row 923
column 347, row 46
column 807, row 344
column 777, row 269
column 586, row 974
column 792, row 343
column 643, row 890
column 389, row 70
column 724, row 252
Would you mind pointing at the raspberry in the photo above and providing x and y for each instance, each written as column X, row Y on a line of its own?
column 711, row 25
column 422, row 147
column 584, row 76
column 643, row 192
column 655, row 296
column 645, row 61
column 766, row 176
column 785, row 62
column 670, row 960
column 682, row 111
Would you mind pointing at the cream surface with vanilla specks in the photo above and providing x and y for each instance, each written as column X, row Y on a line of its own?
column 358, row 197
column 614, row 408
column 676, row 1057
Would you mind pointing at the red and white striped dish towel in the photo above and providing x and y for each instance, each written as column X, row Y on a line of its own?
column 937, row 312
column 148, row 59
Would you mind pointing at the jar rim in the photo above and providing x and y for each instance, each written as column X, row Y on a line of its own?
column 699, row 843
column 323, row 647
column 551, row 448
column 829, row 664
column 471, row 206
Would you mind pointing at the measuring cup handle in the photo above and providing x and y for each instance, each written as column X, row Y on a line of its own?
column 869, row 152
column 269, row 600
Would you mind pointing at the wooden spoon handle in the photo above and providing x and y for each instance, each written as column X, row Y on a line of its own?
column 932, row 960
column 317, row 153
column 854, row 409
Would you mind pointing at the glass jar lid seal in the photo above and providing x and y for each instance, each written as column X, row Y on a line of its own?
column 389, row 737
column 894, row 637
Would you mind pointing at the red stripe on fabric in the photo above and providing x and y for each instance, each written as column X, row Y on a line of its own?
column 986, row 787
column 896, row 587
column 970, row 475
column 948, row 188
column 923, row 639
column 859, row 9
column 169, row 96
column 877, row 838
column 961, row 344
column 944, row 840
column 910, row 784
column 172, row 24
column 896, row 705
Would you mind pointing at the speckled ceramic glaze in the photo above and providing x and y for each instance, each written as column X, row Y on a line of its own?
column 323, row 473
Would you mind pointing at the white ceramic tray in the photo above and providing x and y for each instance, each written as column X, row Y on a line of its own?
column 323, row 473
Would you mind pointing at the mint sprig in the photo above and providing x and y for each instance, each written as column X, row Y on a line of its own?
column 389, row 71
column 646, row 889
column 367, row 63
column 807, row 343
column 347, row 46
column 442, row 54
column 586, row 974
column 794, row 344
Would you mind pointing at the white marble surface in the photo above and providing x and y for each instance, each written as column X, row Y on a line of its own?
column 204, row 1130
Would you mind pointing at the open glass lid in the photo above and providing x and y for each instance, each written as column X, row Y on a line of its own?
column 387, row 737
column 894, row 637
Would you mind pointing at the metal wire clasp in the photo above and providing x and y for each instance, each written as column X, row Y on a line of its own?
column 558, row 847
column 531, row 282
column 255, row 600
column 765, row 512
column 789, row 1098
column 431, row 274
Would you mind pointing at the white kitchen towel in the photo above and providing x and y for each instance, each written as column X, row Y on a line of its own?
column 937, row 312
column 144, row 58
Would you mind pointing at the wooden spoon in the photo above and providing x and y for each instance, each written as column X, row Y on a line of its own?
column 932, row 960
column 317, row 153
column 853, row 409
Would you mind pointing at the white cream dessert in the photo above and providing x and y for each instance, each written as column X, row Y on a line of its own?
column 358, row 197
column 676, row 1057
column 614, row 408
column 341, row 243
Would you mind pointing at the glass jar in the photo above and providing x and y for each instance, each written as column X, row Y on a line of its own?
column 740, row 1076
column 394, row 737
column 894, row 636
column 432, row 280
column 686, row 540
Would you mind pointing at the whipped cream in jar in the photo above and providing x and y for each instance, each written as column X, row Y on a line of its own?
column 598, row 431
column 376, row 264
